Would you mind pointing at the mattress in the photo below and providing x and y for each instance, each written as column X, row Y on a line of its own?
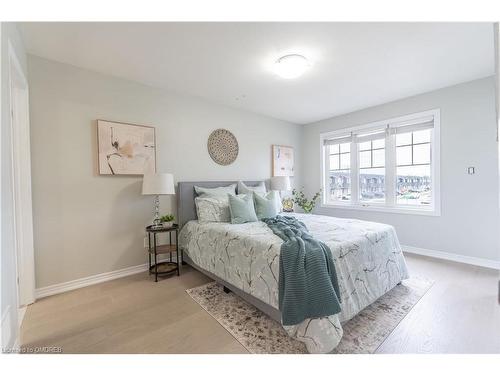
column 367, row 255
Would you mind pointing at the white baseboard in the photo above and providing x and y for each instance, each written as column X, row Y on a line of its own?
column 488, row 263
column 86, row 281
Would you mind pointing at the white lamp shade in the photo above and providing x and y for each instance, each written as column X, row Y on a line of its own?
column 158, row 184
column 280, row 183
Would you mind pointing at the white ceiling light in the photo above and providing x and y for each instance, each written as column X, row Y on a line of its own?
column 291, row 66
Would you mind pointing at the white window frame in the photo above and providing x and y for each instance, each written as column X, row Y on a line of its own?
column 390, row 168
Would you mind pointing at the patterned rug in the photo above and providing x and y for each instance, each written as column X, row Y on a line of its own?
column 260, row 334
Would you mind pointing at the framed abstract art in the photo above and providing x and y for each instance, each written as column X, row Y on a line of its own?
column 125, row 149
column 283, row 163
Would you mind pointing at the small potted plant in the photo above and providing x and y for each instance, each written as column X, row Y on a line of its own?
column 167, row 221
column 300, row 198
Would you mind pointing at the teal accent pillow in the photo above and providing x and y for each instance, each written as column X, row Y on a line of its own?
column 259, row 189
column 218, row 191
column 241, row 208
column 267, row 206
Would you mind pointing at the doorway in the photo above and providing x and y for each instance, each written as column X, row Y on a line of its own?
column 21, row 183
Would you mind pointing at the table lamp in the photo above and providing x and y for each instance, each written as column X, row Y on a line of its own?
column 280, row 183
column 158, row 184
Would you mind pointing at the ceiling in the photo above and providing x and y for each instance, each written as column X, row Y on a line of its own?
column 354, row 65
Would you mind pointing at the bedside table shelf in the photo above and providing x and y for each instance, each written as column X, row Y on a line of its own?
column 163, row 267
column 164, row 249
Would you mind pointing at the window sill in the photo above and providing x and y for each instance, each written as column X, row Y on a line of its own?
column 380, row 208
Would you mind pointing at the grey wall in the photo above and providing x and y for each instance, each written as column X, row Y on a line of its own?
column 86, row 224
column 469, row 219
column 93, row 224
column 9, row 285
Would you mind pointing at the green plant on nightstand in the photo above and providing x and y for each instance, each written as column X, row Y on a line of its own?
column 307, row 205
column 167, row 220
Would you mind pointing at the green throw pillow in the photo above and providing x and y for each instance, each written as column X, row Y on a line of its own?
column 266, row 206
column 242, row 208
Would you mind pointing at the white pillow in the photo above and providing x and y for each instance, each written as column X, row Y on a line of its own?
column 218, row 191
column 212, row 209
column 258, row 189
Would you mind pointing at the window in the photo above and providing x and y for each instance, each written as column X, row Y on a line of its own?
column 339, row 172
column 390, row 165
column 413, row 172
column 372, row 171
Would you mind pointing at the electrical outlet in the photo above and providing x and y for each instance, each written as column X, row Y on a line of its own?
column 471, row 170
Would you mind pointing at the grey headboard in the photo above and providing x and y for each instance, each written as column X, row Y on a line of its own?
column 186, row 209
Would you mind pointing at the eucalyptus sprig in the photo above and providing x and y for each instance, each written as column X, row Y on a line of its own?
column 301, row 200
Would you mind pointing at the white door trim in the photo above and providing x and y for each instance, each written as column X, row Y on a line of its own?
column 21, row 180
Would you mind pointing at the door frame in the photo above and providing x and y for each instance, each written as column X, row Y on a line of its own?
column 21, row 182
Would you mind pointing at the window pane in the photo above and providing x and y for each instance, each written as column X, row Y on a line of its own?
column 339, row 186
column 345, row 147
column 372, row 185
column 365, row 146
column 379, row 143
column 365, row 160
column 334, row 149
column 422, row 136
column 403, row 139
column 403, row 155
column 422, row 154
column 414, row 185
column 334, row 162
column 379, row 158
column 345, row 161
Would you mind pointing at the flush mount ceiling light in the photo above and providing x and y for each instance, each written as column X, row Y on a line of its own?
column 291, row 66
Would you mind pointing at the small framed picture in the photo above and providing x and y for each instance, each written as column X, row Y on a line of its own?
column 125, row 149
column 283, row 163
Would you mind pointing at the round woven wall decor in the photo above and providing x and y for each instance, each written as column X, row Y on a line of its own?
column 223, row 146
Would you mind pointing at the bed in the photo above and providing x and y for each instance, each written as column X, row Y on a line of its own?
column 245, row 258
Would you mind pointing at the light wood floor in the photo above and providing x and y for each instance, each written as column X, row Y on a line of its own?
column 459, row 314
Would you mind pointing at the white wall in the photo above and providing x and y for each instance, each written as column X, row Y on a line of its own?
column 86, row 224
column 8, row 271
column 469, row 219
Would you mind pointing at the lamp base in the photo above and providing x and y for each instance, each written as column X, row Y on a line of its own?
column 157, row 222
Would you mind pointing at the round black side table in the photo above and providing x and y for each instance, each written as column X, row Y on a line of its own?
column 165, row 267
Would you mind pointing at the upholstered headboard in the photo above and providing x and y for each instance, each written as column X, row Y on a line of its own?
column 186, row 209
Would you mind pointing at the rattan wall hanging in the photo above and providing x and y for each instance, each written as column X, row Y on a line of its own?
column 223, row 146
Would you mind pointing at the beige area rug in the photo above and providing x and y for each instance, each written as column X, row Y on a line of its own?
column 260, row 334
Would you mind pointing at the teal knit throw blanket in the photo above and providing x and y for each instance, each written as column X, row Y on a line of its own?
column 308, row 285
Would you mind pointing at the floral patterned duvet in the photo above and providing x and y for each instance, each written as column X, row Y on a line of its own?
column 368, row 260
